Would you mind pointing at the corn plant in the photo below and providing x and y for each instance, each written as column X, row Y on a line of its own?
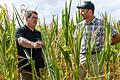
column 8, row 57
column 61, row 50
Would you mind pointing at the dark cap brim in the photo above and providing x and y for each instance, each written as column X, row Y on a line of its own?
column 80, row 7
column 83, row 7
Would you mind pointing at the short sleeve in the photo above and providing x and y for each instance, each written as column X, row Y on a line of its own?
column 75, row 34
column 79, row 28
column 114, row 32
column 18, row 33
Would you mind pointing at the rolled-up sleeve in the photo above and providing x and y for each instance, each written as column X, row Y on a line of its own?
column 114, row 32
column 18, row 33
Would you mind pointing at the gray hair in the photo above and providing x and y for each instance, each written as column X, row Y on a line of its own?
column 29, row 13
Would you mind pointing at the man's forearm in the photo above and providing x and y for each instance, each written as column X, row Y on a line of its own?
column 25, row 43
column 115, row 39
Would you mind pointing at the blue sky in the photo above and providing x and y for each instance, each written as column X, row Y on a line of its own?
column 47, row 8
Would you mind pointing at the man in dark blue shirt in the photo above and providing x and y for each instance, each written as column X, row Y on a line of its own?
column 29, row 41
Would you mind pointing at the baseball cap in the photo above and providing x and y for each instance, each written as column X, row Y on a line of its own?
column 87, row 5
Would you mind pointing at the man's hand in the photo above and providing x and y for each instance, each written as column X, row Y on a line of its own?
column 38, row 44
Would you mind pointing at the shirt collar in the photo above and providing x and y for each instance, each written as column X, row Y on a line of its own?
column 92, row 22
column 29, row 29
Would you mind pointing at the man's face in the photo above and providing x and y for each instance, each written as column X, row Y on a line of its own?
column 32, row 21
column 84, row 13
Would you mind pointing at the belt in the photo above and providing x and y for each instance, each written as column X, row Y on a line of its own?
column 91, row 52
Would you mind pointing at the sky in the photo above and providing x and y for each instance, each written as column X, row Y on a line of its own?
column 47, row 8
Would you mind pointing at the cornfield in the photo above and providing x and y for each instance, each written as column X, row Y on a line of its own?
column 61, row 51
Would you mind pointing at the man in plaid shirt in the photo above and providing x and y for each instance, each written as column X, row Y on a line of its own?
column 93, row 35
